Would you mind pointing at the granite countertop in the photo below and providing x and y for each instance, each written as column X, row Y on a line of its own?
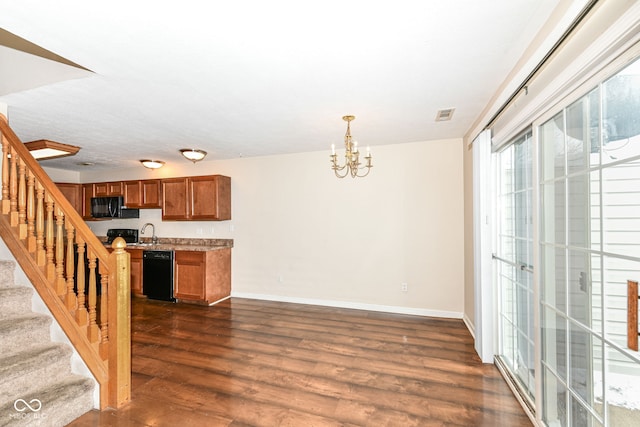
column 178, row 244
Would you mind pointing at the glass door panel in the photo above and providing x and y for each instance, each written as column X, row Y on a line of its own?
column 513, row 263
column 590, row 248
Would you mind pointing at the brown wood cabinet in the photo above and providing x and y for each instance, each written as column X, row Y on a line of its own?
column 73, row 193
column 105, row 189
column 136, row 271
column 174, row 199
column 87, row 194
column 202, row 276
column 196, row 198
column 145, row 194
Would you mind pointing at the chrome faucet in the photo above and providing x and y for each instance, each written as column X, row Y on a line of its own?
column 154, row 238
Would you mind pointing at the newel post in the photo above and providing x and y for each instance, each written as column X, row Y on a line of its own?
column 119, row 299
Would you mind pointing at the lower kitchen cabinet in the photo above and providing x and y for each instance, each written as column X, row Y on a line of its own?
column 202, row 276
column 136, row 271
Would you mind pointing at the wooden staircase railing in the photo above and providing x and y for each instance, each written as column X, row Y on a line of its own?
column 86, row 288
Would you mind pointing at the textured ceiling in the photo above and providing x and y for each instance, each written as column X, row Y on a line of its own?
column 252, row 78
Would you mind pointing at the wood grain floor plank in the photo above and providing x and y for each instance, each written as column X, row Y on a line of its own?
column 263, row 363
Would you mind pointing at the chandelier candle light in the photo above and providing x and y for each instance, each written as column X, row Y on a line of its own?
column 352, row 165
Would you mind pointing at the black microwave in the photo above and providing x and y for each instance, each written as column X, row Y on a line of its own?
column 111, row 207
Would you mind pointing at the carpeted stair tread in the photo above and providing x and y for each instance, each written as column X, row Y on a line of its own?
column 32, row 369
column 19, row 333
column 16, row 301
column 60, row 403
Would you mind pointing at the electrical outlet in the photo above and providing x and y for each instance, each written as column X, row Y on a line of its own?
column 199, row 231
column 404, row 287
column 212, row 230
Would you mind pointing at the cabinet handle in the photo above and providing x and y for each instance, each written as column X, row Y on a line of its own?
column 632, row 315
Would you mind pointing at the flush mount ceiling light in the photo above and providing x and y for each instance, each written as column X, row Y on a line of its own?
column 352, row 165
column 45, row 149
column 193, row 154
column 152, row 164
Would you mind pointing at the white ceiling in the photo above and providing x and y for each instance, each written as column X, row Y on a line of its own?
column 253, row 78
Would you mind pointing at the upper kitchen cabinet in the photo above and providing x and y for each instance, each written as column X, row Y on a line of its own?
column 210, row 197
column 106, row 189
column 87, row 194
column 174, row 199
column 196, row 198
column 73, row 193
column 145, row 194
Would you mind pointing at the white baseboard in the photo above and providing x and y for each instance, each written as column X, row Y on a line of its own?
column 220, row 300
column 352, row 305
column 470, row 327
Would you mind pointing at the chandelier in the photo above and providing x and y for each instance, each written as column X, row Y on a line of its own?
column 352, row 165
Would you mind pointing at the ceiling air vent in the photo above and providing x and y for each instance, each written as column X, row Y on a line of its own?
column 444, row 115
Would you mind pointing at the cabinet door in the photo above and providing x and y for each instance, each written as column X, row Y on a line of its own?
column 210, row 197
column 189, row 271
column 151, row 193
column 87, row 194
column 100, row 189
column 132, row 194
column 144, row 193
column 73, row 193
column 175, row 205
column 203, row 194
column 114, row 188
column 106, row 189
column 136, row 271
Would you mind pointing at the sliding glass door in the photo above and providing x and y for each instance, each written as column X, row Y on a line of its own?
column 575, row 362
column 589, row 250
column 513, row 265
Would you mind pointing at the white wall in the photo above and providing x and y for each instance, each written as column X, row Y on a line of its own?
column 303, row 235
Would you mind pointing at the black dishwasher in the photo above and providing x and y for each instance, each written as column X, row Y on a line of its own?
column 157, row 275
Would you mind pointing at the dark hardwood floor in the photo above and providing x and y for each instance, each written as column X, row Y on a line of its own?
column 258, row 363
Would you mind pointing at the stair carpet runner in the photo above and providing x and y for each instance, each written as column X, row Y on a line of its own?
column 37, row 387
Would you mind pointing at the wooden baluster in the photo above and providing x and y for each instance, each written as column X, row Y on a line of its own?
column 22, row 199
column 81, row 311
column 13, row 189
column 50, row 267
column 632, row 315
column 31, row 212
column 93, row 326
column 5, row 176
column 40, row 251
column 104, row 315
column 70, row 300
column 61, row 285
